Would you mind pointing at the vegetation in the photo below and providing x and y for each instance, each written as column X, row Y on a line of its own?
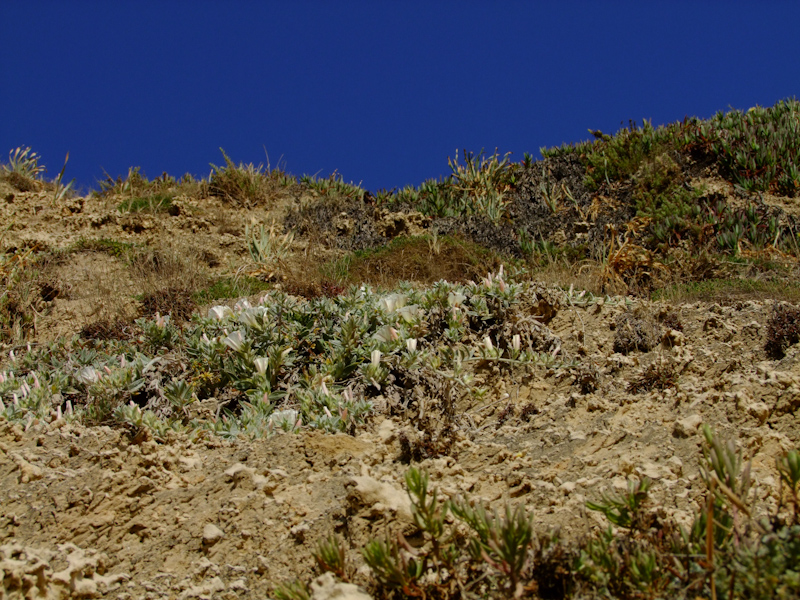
column 322, row 348
column 318, row 362
column 471, row 550
column 246, row 185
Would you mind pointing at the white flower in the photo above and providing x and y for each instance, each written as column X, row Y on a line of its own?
column 407, row 313
column 289, row 417
column 411, row 344
column 455, row 299
column 88, row 375
column 387, row 333
column 487, row 342
column 250, row 316
column 218, row 313
column 376, row 358
column 242, row 304
column 234, row 341
column 393, row 302
column 261, row 364
column 515, row 342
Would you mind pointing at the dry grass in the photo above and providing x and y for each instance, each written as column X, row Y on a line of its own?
column 166, row 280
column 414, row 259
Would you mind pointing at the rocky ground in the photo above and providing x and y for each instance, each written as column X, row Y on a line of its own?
column 96, row 512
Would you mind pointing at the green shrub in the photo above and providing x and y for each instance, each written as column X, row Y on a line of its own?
column 758, row 150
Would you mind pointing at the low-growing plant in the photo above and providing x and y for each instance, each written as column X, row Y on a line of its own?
column 483, row 183
column 757, row 150
column 789, row 470
column 334, row 186
column 783, row 329
column 24, row 162
column 246, row 185
column 155, row 203
column 267, row 246
column 659, row 375
column 626, row 510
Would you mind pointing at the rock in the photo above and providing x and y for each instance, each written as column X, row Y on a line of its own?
column 392, row 224
column 650, row 470
column 325, row 587
column 675, row 465
column 687, row 426
column 381, row 497
column 212, row 534
column 299, row 531
column 209, row 589
column 568, row 487
column 387, row 431
column 27, row 471
column 577, row 436
column 246, row 477
column 759, row 410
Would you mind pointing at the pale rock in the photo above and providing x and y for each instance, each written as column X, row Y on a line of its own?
column 212, row 534
column 238, row 585
column 619, row 483
column 27, row 471
column 387, row 431
column 381, row 496
column 675, row 465
column 650, row 470
column 687, row 426
column 759, row 410
column 299, row 531
column 209, row 589
column 325, row 587
column 246, row 477
column 577, row 436
column 568, row 487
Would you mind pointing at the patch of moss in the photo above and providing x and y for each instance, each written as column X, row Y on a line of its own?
column 111, row 247
column 230, row 287
column 155, row 203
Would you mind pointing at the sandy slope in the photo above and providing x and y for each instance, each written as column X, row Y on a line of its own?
column 91, row 510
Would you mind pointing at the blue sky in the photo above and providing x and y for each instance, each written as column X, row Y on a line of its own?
column 381, row 91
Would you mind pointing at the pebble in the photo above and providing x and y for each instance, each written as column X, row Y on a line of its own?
column 212, row 534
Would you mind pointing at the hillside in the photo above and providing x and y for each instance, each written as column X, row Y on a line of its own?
column 224, row 387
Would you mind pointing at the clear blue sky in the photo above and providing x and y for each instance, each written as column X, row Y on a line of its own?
column 381, row 91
